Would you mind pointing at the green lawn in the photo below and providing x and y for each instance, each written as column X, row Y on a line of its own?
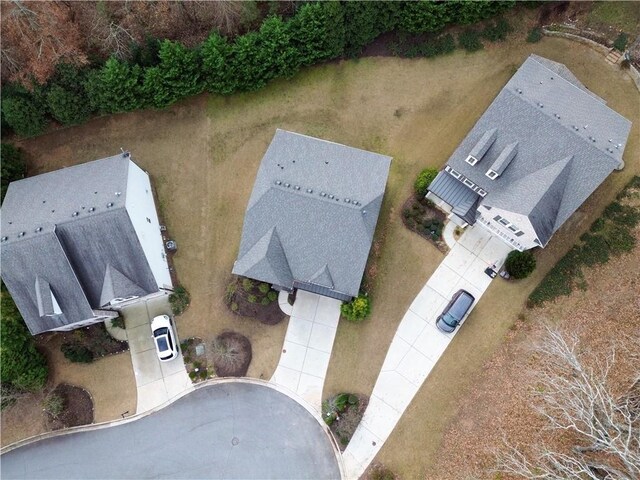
column 624, row 16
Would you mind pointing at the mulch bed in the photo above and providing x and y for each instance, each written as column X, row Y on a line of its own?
column 78, row 408
column 423, row 218
column 344, row 426
column 196, row 359
column 231, row 354
column 245, row 298
column 96, row 338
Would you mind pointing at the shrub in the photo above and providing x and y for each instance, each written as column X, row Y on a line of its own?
column 76, row 353
column 234, row 307
column 265, row 301
column 380, row 472
column 12, row 165
column 622, row 214
column 247, row 284
column 594, row 251
column 193, row 374
column 54, row 405
column 469, row 39
column 619, row 239
column 520, row 264
column 421, row 185
column 118, row 322
column 272, row 295
column 252, row 298
column 620, row 43
column 535, row 35
column 357, row 310
column 116, row 87
column 597, row 225
column 231, row 354
column 24, row 115
column 497, row 31
column 264, row 287
column 23, row 366
column 179, row 300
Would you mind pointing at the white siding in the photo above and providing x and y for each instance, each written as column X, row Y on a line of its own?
column 142, row 211
column 522, row 242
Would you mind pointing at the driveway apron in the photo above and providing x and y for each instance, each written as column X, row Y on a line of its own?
column 307, row 346
column 156, row 381
column 418, row 344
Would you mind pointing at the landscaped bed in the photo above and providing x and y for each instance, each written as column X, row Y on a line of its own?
column 422, row 216
column 90, row 343
column 196, row 361
column 68, row 406
column 343, row 413
column 231, row 354
column 249, row 298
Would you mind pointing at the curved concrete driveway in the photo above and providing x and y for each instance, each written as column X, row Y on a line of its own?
column 229, row 430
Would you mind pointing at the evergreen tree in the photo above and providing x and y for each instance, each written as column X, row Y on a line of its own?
column 116, row 87
column 317, row 31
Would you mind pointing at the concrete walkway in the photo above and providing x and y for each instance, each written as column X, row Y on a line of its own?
column 307, row 346
column 156, row 381
column 448, row 234
column 283, row 302
column 418, row 344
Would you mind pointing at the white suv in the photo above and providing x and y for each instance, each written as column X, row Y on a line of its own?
column 164, row 338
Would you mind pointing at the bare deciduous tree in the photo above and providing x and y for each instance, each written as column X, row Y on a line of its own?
column 576, row 399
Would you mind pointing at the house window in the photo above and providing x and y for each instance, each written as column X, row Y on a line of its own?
column 454, row 173
column 471, row 160
column 513, row 228
column 497, row 218
column 537, row 242
column 503, row 221
column 482, row 193
column 491, row 174
column 148, row 220
column 468, row 182
column 519, row 233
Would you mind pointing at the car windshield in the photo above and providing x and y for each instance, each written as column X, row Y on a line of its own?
column 162, row 343
column 158, row 332
column 450, row 319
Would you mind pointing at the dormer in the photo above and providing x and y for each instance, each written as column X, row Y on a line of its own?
column 47, row 303
column 502, row 162
column 480, row 148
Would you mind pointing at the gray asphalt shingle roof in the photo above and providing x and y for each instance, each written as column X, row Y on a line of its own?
column 312, row 214
column 81, row 258
column 552, row 117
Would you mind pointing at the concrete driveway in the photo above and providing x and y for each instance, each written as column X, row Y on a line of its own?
column 230, row 430
column 156, row 381
column 307, row 346
column 418, row 344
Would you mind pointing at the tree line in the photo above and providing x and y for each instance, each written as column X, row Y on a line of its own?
column 160, row 73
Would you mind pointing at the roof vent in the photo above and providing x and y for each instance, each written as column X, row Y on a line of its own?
column 585, row 127
column 4, row 239
column 110, row 204
column 74, row 214
column 297, row 187
column 39, row 229
column 347, row 200
column 309, row 190
column 287, row 185
column 92, row 209
column 322, row 194
column 364, row 212
column 22, row 234
column 331, row 197
column 118, row 194
column 278, row 182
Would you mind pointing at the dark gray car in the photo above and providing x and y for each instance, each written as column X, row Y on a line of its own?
column 455, row 311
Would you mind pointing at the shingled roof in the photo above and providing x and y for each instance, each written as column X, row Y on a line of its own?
column 568, row 141
column 68, row 245
column 312, row 215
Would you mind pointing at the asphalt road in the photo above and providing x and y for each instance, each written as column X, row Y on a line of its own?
column 229, row 430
